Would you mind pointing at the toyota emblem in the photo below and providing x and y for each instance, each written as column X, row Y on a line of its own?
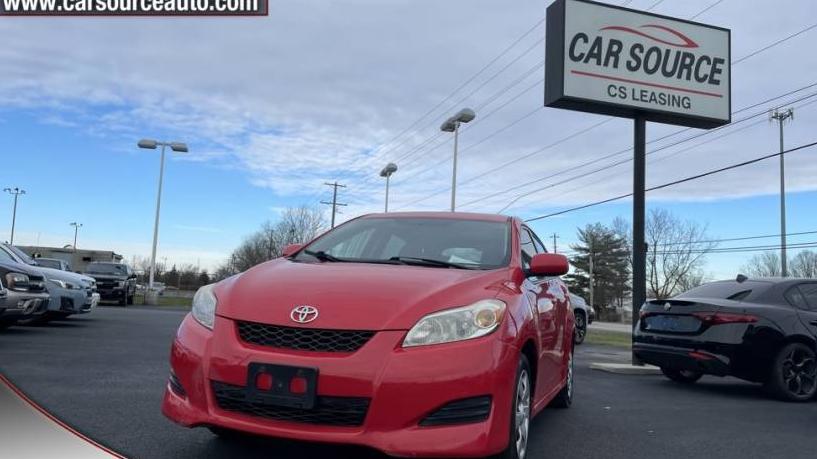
column 303, row 314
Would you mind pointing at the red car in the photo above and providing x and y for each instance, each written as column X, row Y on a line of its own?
column 418, row 334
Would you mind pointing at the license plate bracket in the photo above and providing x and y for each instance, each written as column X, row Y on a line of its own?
column 279, row 392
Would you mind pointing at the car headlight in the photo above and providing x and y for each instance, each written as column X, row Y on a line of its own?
column 204, row 306
column 17, row 281
column 473, row 321
column 63, row 284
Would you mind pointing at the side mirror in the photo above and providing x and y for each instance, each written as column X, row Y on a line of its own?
column 548, row 264
column 291, row 249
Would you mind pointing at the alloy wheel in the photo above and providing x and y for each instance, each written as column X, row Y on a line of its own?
column 570, row 376
column 522, row 422
column 800, row 372
column 581, row 328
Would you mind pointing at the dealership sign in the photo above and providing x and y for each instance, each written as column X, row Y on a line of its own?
column 621, row 62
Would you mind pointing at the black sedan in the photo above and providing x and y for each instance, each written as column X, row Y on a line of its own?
column 759, row 330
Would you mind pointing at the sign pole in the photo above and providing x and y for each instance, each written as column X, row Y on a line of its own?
column 639, row 204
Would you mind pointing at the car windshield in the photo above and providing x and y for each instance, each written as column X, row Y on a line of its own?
column 432, row 242
column 46, row 263
column 106, row 268
column 21, row 255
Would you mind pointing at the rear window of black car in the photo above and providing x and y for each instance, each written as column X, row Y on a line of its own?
column 731, row 290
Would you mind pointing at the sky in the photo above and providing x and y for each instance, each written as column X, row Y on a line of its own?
column 274, row 107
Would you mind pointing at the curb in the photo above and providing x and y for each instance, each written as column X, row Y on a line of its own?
column 626, row 369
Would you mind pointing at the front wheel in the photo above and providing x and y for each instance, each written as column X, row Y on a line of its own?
column 520, row 413
column 581, row 328
column 682, row 376
column 794, row 374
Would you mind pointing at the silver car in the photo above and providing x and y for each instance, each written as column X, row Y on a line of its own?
column 70, row 293
column 584, row 313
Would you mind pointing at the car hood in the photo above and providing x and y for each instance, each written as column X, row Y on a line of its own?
column 100, row 277
column 66, row 276
column 352, row 296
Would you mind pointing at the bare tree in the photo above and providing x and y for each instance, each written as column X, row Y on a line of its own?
column 805, row 265
column 676, row 253
column 297, row 225
column 766, row 264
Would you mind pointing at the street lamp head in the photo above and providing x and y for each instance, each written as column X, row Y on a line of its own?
column 450, row 125
column 178, row 147
column 466, row 115
column 148, row 143
column 390, row 169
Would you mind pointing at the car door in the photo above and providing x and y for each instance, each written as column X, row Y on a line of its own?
column 542, row 294
column 804, row 297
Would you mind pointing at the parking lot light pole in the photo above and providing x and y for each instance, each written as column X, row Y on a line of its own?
column 151, row 145
column 466, row 115
column 76, row 226
column 16, row 192
column 387, row 171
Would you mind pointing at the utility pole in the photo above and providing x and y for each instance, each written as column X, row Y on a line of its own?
column 781, row 117
column 555, row 236
column 76, row 226
column 334, row 202
column 16, row 192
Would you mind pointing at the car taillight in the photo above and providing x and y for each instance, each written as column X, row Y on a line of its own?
column 720, row 318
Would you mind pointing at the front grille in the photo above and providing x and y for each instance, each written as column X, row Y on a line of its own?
column 66, row 304
column 303, row 339
column 330, row 411
column 463, row 411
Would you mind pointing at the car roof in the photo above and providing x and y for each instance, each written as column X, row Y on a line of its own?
column 450, row 215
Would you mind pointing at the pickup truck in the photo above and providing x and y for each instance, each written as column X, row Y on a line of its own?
column 114, row 281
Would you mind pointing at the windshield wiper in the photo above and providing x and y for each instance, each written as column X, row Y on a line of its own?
column 323, row 256
column 430, row 262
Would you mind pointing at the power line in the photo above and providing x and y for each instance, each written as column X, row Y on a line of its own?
column 718, row 2
column 772, row 45
column 462, row 86
column 535, row 152
column 627, row 160
column 675, row 182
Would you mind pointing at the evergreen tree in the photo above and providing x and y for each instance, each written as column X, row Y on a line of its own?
column 611, row 267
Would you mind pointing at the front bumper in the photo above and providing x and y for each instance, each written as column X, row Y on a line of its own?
column 67, row 301
column 21, row 305
column 403, row 386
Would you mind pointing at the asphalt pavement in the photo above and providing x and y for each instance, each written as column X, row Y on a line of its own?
column 104, row 374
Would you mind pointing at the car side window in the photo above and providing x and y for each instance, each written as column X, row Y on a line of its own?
column 796, row 298
column 528, row 249
column 809, row 293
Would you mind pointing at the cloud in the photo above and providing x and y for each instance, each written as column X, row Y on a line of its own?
column 311, row 93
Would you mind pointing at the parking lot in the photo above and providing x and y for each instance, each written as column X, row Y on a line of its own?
column 112, row 367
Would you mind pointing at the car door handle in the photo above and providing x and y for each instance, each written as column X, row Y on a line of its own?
column 814, row 322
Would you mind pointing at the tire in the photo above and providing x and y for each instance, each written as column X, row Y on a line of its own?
column 581, row 327
column 4, row 324
column 517, row 449
column 39, row 320
column 226, row 434
column 129, row 300
column 124, row 300
column 682, row 376
column 793, row 377
column 565, row 397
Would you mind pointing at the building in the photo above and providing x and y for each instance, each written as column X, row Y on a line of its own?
column 77, row 259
